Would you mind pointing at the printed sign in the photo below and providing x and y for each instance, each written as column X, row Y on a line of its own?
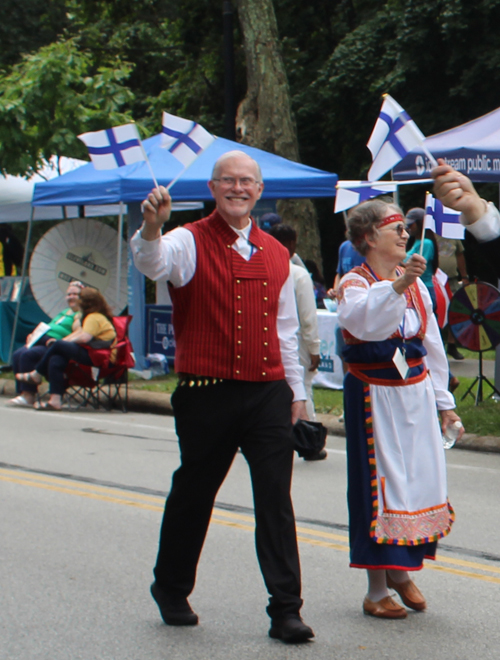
column 160, row 331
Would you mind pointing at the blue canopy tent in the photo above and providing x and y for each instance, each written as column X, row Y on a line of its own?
column 472, row 148
column 132, row 183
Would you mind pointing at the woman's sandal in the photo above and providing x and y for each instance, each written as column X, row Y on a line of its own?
column 29, row 378
column 20, row 402
column 48, row 406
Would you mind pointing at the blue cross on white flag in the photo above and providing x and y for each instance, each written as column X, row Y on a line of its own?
column 394, row 135
column 114, row 147
column 352, row 193
column 185, row 139
column 442, row 220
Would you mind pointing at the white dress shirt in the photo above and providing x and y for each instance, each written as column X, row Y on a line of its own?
column 173, row 257
column 374, row 313
column 306, row 309
column 487, row 227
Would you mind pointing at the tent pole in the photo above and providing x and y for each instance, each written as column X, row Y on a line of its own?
column 23, row 278
column 119, row 258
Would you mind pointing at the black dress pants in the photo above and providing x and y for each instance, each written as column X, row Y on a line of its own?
column 212, row 421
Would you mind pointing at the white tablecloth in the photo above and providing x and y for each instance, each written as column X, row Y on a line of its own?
column 330, row 369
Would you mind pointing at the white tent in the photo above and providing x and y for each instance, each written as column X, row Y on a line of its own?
column 472, row 148
column 16, row 193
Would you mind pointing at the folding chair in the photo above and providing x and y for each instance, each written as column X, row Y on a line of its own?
column 105, row 383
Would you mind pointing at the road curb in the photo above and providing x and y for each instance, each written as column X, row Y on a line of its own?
column 158, row 403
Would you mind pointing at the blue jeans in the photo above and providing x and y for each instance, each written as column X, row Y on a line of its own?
column 25, row 360
column 54, row 363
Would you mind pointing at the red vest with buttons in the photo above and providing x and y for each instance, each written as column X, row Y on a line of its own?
column 225, row 316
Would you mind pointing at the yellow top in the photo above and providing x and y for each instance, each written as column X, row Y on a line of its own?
column 99, row 327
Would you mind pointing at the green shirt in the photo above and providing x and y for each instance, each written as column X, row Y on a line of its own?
column 62, row 324
column 428, row 254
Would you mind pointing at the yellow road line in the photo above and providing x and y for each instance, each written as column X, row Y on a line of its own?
column 82, row 493
column 82, row 485
column 220, row 517
column 456, row 571
column 465, row 562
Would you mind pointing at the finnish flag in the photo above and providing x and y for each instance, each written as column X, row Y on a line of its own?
column 442, row 220
column 352, row 193
column 185, row 139
column 394, row 135
column 114, row 147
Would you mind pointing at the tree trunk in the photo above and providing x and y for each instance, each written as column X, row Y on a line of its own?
column 264, row 119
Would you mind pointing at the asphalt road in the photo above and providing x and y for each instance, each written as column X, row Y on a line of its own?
column 82, row 496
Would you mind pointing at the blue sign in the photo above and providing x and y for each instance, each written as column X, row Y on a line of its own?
column 326, row 364
column 160, row 330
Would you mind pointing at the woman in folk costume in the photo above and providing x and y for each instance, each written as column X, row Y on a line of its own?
column 395, row 388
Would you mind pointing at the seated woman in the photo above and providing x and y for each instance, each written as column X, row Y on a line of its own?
column 395, row 389
column 27, row 357
column 97, row 331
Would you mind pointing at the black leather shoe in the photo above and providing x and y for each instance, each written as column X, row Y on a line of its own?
column 174, row 611
column 454, row 352
column 318, row 456
column 291, row 630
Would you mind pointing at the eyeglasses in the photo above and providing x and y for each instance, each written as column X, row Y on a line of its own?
column 230, row 181
column 399, row 228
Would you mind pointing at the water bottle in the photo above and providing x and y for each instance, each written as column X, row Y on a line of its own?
column 451, row 435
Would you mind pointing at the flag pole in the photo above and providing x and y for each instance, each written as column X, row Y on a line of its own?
column 395, row 194
column 148, row 164
column 426, row 151
column 423, row 231
column 368, row 184
column 174, row 181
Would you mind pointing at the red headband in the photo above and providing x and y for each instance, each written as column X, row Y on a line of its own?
column 396, row 217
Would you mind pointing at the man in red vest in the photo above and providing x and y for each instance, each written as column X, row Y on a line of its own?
column 240, row 385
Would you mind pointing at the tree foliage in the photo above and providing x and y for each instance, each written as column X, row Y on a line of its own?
column 439, row 60
column 27, row 26
column 111, row 62
column 51, row 97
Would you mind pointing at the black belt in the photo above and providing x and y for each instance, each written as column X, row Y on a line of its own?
column 193, row 380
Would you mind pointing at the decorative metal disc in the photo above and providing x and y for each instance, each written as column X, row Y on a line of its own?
column 84, row 250
column 474, row 316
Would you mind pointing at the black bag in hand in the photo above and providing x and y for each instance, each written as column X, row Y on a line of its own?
column 309, row 438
